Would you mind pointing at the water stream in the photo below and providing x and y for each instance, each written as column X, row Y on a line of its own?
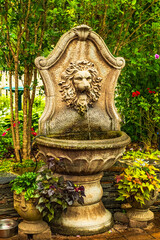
column 89, row 125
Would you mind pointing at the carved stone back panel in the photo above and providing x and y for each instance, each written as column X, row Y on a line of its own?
column 79, row 76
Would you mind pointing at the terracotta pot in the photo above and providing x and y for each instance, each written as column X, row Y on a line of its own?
column 32, row 218
column 140, row 212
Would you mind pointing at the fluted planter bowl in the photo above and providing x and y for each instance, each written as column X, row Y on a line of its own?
column 84, row 157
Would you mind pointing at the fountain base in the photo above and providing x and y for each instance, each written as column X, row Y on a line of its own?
column 89, row 219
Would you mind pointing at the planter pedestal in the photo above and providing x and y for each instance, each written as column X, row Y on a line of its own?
column 141, row 215
column 45, row 235
column 89, row 219
column 33, row 227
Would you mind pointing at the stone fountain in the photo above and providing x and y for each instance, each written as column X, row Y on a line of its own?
column 80, row 124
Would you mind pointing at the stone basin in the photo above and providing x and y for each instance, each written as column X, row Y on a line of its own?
column 84, row 157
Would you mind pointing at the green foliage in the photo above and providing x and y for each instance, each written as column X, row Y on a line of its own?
column 39, row 103
column 55, row 195
column 25, row 183
column 140, row 113
column 4, row 104
column 6, row 165
column 38, row 108
column 6, row 142
column 10, row 165
column 137, row 182
column 130, row 156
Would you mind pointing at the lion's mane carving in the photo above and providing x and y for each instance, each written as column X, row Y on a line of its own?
column 74, row 98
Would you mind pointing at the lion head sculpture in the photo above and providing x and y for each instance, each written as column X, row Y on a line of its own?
column 80, row 85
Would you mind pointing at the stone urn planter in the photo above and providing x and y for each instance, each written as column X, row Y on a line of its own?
column 32, row 219
column 140, row 212
column 138, row 185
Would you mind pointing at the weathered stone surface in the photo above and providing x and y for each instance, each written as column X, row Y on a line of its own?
column 121, row 217
column 141, row 215
column 6, row 177
column 150, row 225
column 80, row 78
column 22, row 235
column 46, row 235
column 137, row 224
column 120, row 227
column 80, row 124
column 90, row 218
column 73, row 56
column 135, row 230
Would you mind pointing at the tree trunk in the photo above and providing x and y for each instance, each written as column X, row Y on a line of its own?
column 17, row 147
column 25, row 115
column 12, row 113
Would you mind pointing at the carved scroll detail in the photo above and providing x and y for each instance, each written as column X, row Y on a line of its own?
column 80, row 85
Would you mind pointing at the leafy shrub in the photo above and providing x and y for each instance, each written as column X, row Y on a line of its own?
column 9, row 165
column 4, row 104
column 140, row 114
column 137, row 181
column 53, row 194
column 6, row 142
column 26, row 182
column 130, row 156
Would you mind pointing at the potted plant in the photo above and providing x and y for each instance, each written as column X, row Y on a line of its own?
column 138, row 185
column 43, row 195
column 24, row 188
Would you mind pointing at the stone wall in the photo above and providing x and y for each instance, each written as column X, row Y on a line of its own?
column 109, row 189
column 6, row 195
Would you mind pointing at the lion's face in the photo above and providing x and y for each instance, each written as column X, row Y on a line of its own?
column 80, row 85
column 82, row 81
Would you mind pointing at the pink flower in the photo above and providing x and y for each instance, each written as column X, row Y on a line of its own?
column 138, row 93
column 34, row 133
column 134, row 94
column 14, row 124
column 32, row 129
column 8, row 129
column 154, row 92
column 148, row 88
column 150, row 91
column 3, row 134
column 156, row 56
